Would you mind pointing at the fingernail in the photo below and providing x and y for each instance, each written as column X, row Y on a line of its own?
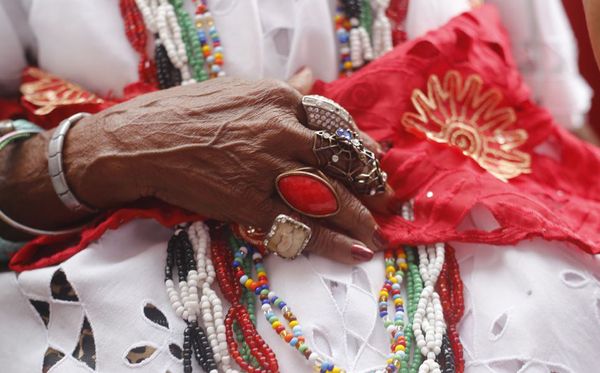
column 379, row 239
column 361, row 253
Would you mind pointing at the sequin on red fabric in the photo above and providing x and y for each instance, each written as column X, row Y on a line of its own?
column 553, row 187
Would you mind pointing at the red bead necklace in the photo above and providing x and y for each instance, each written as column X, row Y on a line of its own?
column 135, row 30
column 232, row 291
column 450, row 289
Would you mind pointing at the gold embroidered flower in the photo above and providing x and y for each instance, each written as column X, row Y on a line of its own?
column 464, row 115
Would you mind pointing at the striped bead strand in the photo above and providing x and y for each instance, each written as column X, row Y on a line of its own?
column 428, row 324
column 210, row 303
column 167, row 74
column 185, row 302
column 208, row 35
column 395, row 266
column 191, row 42
column 268, row 298
column 171, row 38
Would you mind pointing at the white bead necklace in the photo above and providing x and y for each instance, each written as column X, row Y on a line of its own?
column 382, row 30
column 428, row 325
column 211, row 306
column 360, row 44
column 149, row 9
column 159, row 17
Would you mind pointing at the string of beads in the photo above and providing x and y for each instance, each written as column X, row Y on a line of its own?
column 428, row 324
column 293, row 336
column 192, row 44
column 136, row 34
column 210, row 42
column 450, row 288
column 247, row 348
column 184, row 300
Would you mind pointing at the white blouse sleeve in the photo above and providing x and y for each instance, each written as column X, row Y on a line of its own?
column 546, row 52
column 12, row 48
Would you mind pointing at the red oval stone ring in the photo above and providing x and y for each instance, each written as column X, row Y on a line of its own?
column 307, row 191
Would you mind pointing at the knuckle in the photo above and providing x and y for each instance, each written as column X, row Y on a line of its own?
column 320, row 241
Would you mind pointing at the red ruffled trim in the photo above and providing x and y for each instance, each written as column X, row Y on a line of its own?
column 45, row 251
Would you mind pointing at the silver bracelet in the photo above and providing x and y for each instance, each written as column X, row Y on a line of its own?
column 5, row 140
column 55, row 165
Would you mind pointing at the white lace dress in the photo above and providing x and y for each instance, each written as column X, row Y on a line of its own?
column 533, row 307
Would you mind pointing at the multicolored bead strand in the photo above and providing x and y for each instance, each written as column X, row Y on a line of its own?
column 207, row 35
column 138, row 38
column 395, row 266
column 450, row 288
column 184, row 300
column 428, row 324
column 342, row 30
column 294, row 336
column 192, row 44
column 248, row 300
column 249, row 350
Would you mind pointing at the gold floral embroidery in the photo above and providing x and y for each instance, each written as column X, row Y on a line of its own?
column 48, row 92
column 465, row 116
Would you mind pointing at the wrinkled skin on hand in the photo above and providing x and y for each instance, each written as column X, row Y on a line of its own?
column 213, row 148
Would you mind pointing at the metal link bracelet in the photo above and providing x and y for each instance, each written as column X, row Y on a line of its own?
column 55, row 165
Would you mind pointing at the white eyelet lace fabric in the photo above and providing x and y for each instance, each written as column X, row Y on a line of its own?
column 533, row 307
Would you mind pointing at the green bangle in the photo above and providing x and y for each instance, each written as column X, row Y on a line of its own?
column 19, row 129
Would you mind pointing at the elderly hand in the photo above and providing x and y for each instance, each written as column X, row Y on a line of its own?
column 215, row 149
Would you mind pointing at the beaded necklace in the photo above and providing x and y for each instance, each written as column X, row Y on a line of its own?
column 382, row 29
column 360, row 44
column 428, row 324
column 395, row 266
column 192, row 44
column 450, row 288
column 170, row 56
column 247, row 348
column 293, row 336
column 210, row 303
column 414, row 288
column 184, row 300
column 136, row 34
column 342, row 27
column 207, row 35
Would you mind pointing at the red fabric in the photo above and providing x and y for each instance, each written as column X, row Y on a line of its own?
column 10, row 109
column 558, row 200
column 50, row 250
